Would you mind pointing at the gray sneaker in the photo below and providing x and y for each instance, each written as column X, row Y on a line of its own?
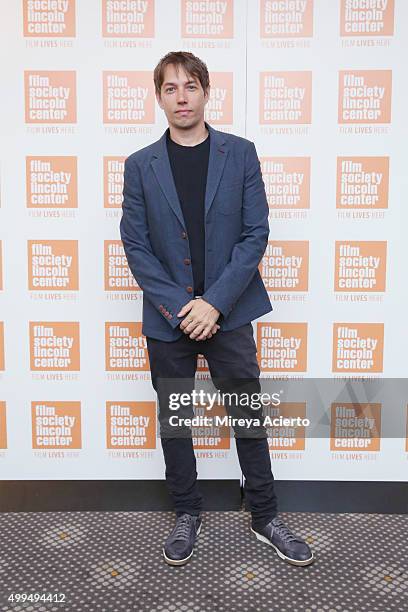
column 178, row 548
column 289, row 547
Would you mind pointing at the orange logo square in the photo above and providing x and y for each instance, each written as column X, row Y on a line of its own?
column 118, row 276
column 131, row 425
column 362, row 182
column 49, row 18
column 54, row 346
column 287, row 181
column 207, row 19
column 362, row 18
column 126, row 348
column 285, row 97
column 286, row 436
column 285, row 265
column 282, row 347
column 56, row 425
column 128, row 19
column 365, row 96
column 360, row 266
column 286, row 19
column 113, row 170
column 215, row 436
column 51, row 182
column 53, row 265
column 219, row 108
column 358, row 347
column 50, row 96
column 355, row 427
column 128, row 97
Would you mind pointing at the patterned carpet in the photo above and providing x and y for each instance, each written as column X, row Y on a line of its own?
column 112, row 561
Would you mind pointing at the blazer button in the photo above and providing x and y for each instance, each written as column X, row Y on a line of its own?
column 183, row 234
column 190, row 289
column 187, row 261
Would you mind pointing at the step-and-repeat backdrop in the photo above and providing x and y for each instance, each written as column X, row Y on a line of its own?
column 320, row 86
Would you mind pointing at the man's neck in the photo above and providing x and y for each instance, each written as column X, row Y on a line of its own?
column 189, row 138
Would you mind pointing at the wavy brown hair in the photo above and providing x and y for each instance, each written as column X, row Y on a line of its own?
column 192, row 65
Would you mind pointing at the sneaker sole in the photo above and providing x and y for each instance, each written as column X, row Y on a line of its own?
column 280, row 553
column 180, row 561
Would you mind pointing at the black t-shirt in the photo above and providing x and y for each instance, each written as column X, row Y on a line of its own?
column 189, row 166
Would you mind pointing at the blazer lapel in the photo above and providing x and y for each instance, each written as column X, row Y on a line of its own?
column 218, row 155
column 162, row 169
column 216, row 162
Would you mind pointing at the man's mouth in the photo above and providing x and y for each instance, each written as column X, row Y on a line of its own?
column 183, row 112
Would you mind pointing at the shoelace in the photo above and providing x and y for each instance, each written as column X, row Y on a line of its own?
column 182, row 528
column 284, row 532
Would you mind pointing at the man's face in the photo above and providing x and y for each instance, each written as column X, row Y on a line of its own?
column 182, row 98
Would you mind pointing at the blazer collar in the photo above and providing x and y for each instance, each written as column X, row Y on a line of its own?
column 161, row 167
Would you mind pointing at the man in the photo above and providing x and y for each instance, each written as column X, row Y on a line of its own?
column 194, row 229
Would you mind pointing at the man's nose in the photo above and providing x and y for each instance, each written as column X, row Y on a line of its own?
column 181, row 96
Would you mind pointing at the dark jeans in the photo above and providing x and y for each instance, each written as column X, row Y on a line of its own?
column 231, row 358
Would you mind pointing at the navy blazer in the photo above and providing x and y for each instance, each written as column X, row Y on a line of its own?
column 155, row 240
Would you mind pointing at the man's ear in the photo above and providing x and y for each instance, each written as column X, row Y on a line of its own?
column 207, row 94
column 158, row 98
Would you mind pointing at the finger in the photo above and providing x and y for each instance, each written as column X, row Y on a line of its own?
column 190, row 327
column 197, row 331
column 186, row 308
column 204, row 333
column 211, row 333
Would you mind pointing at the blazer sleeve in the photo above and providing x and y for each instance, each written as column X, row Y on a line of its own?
column 153, row 279
column 248, row 252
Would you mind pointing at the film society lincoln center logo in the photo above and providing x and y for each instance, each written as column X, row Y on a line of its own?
column 358, row 347
column 208, row 19
column 285, row 265
column 360, row 266
column 113, row 170
column 287, row 437
column 53, row 265
column 128, row 97
column 56, row 425
column 362, row 182
column 125, row 348
column 44, row 18
column 355, row 426
column 285, row 97
column 130, row 425
column 50, row 96
column 367, row 17
column 51, row 182
column 54, row 346
column 287, row 181
column 282, row 347
column 128, row 18
column 287, row 19
column 118, row 276
column 219, row 108
column 364, row 96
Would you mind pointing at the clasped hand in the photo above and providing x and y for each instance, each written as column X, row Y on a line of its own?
column 200, row 322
